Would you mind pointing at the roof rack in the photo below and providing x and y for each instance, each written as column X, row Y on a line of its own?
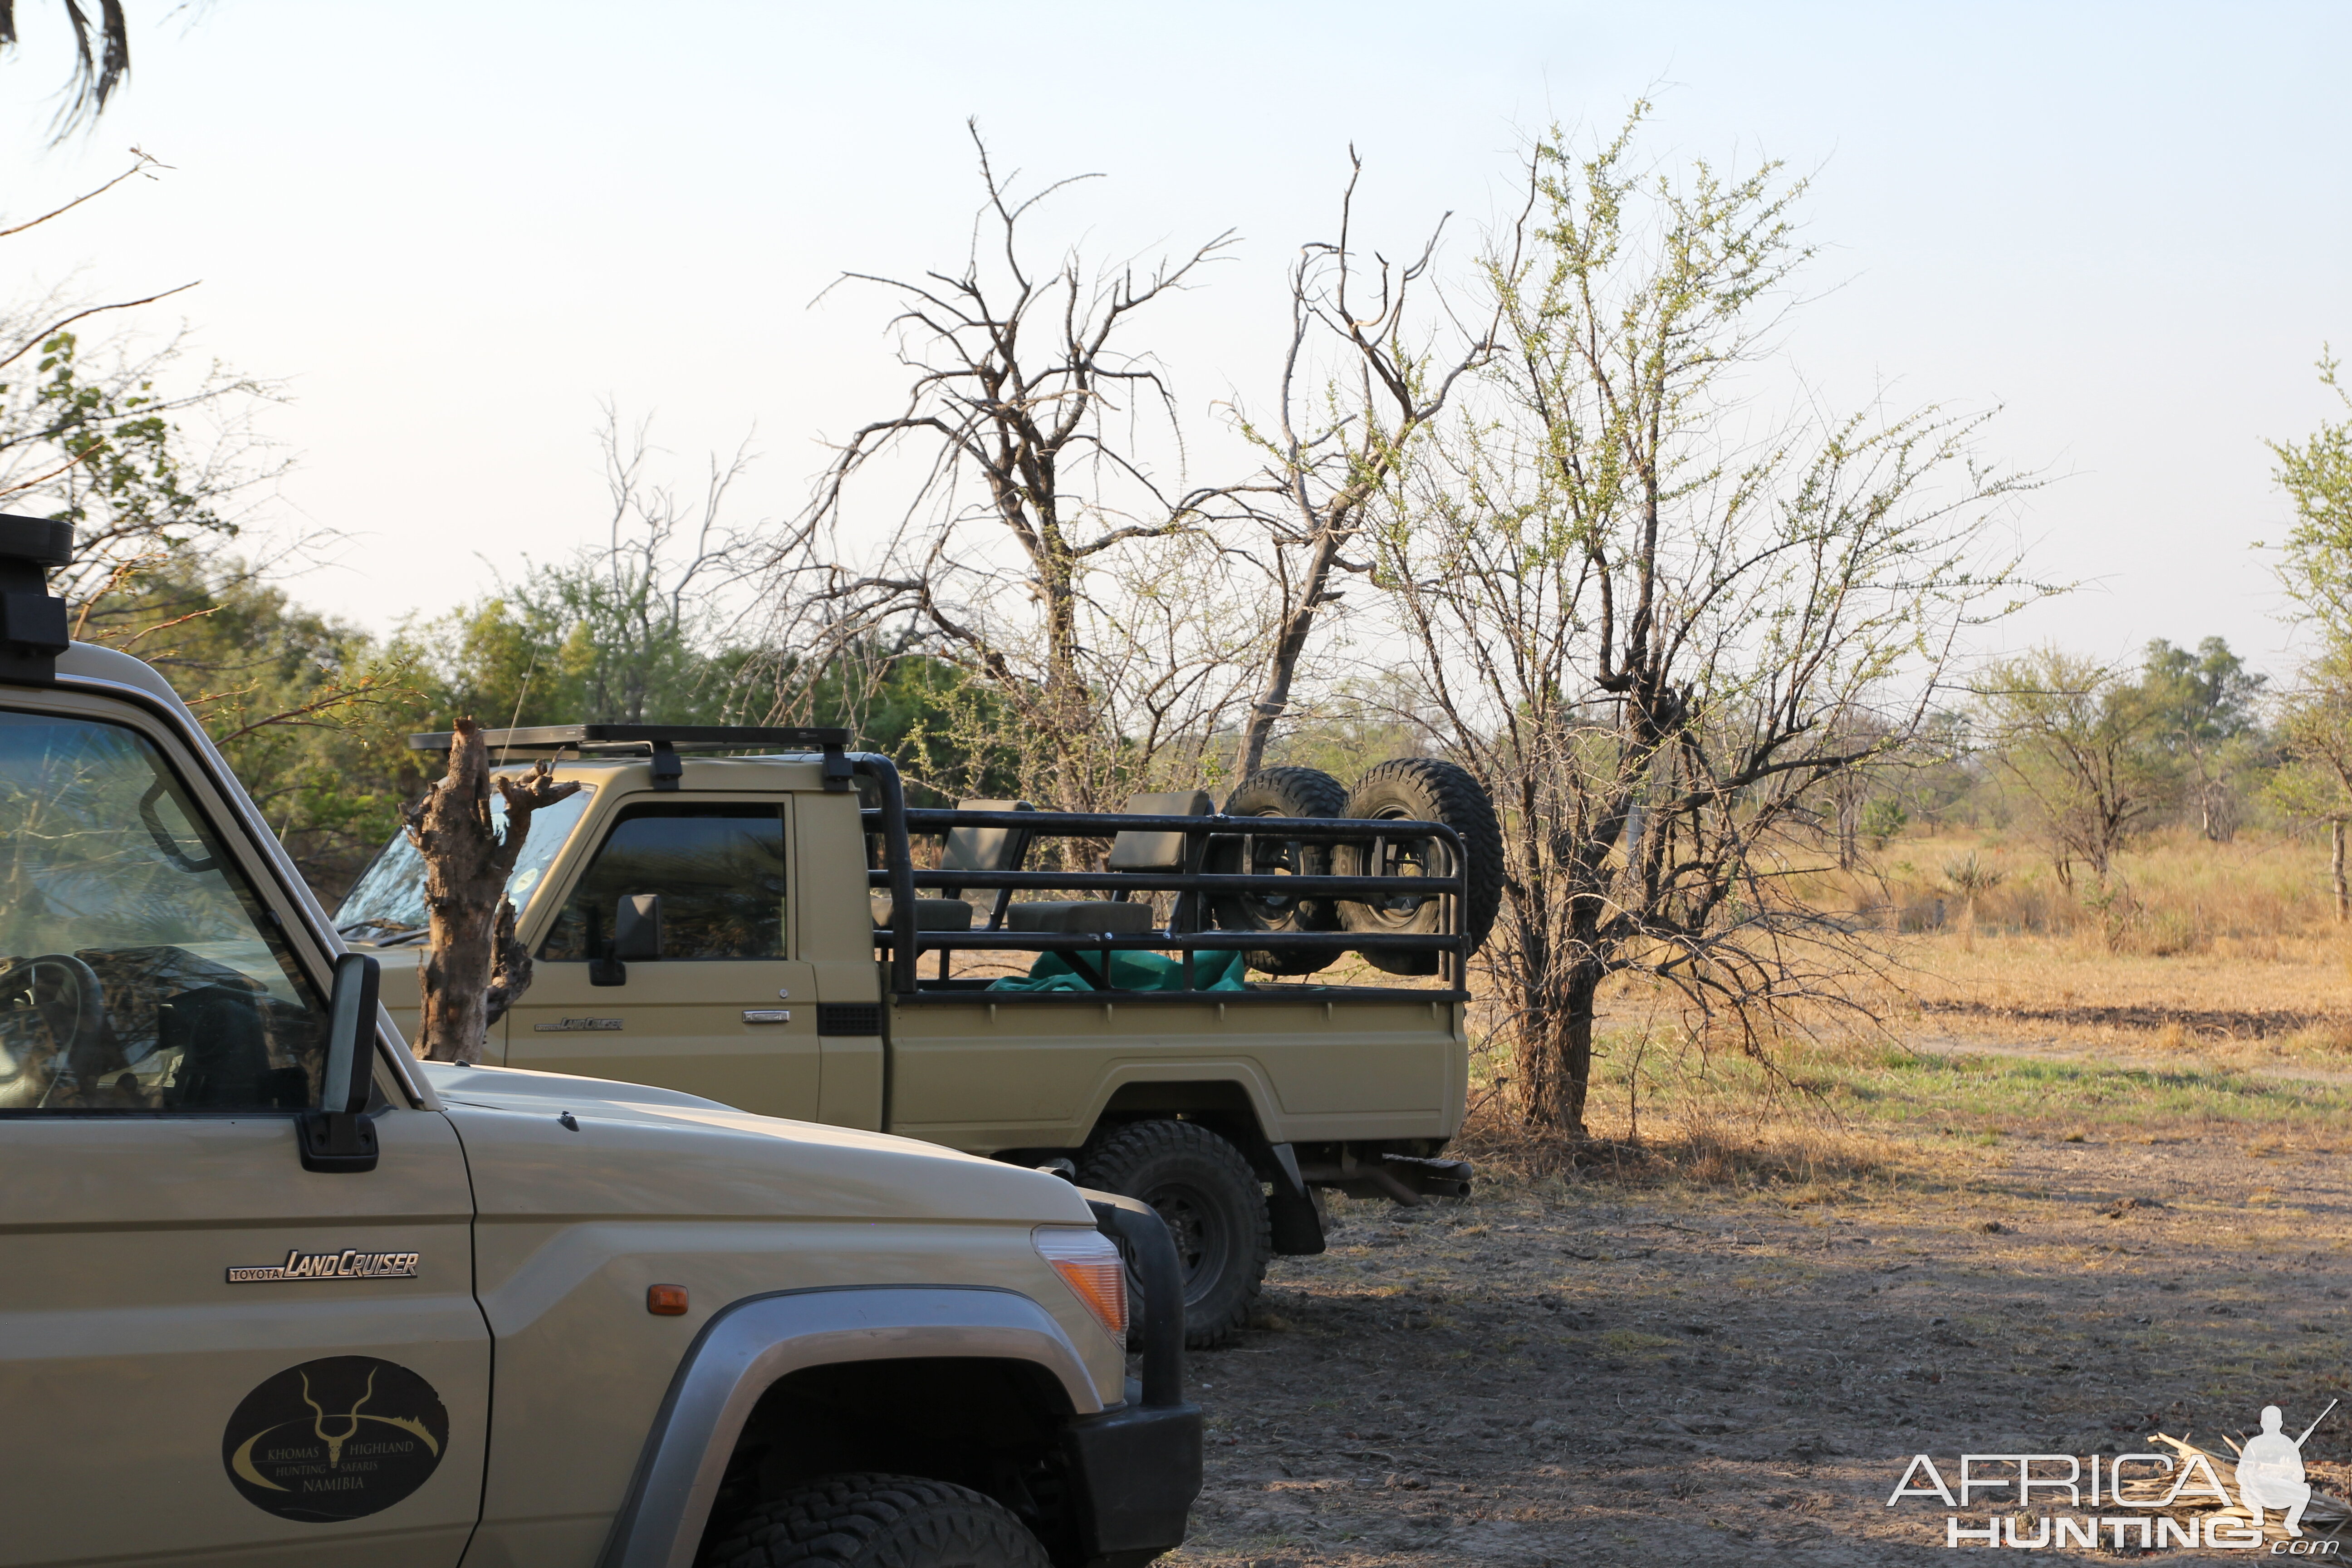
column 662, row 742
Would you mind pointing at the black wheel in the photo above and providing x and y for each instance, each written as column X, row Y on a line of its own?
column 1215, row 1213
column 1421, row 789
column 1280, row 792
column 876, row 1522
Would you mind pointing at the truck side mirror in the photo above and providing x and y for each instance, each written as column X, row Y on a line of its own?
column 336, row 1136
column 638, row 927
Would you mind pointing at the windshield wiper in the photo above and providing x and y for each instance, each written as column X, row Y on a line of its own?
column 398, row 933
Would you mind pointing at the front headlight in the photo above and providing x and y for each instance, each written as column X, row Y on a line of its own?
column 1091, row 1267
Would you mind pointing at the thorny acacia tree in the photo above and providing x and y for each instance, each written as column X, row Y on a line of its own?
column 2315, row 570
column 1646, row 635
column 1333, row 444
column 1018, row 554
column 2081, row 746
column 2315, row 731
column 2315, row 563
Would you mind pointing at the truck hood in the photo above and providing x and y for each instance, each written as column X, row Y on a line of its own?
column 630, row 1149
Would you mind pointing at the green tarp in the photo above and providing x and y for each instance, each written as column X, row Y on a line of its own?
column 1221, row 971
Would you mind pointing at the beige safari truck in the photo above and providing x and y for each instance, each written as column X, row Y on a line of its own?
column 273, row 1292
column 1133, row 998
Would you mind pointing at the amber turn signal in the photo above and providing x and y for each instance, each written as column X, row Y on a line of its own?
column 666, row 1300
column 1091, row 1267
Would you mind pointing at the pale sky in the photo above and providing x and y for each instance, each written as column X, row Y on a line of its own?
column 451, row 229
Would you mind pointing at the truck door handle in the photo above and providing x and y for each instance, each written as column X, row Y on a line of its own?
column 767, row 1015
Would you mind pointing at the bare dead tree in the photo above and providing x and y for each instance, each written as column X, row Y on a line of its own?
column 1336, row 441
column 641, row 609
column 475, row 968
column 1024, row 427
column 1649, row 617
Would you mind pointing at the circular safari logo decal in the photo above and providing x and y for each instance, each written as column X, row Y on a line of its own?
column 336, row 1438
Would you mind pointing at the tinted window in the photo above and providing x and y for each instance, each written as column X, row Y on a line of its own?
column 138, row 970
column 719, row 870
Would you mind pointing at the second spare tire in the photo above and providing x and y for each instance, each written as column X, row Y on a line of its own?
column 1280, row 792
column 1421, row 789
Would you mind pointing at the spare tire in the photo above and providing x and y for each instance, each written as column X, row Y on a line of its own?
column 1280, row 792
column 1421, row 789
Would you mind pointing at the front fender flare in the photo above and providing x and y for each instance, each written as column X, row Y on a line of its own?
column 749, row 1346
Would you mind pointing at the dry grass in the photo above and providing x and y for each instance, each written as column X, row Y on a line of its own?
column 1799, row 1153
column 2299, row 985
column 2175, row 894
column 1861, row 1121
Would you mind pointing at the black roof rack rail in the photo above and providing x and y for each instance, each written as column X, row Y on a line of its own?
column 662, row 742
column 679, row 737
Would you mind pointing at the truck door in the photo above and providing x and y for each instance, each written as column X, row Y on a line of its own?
column 206, row 1351
column 726, row 1011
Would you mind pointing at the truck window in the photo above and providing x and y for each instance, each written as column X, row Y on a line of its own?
column 387, row 903
column 138, row 969
column 719, row 870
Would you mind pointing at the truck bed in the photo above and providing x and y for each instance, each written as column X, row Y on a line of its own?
column 986, row 1071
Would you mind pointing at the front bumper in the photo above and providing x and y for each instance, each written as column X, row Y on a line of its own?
column 1134, row 1472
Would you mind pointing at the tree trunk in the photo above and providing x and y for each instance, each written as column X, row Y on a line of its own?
column 1555, row 1052
column 1275, row 697
column 475, row 968
column 2335, row 870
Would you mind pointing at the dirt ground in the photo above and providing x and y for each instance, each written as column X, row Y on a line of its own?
column 1587, row 1371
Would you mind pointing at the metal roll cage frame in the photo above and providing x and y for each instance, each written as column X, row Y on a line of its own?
column 1188, row 930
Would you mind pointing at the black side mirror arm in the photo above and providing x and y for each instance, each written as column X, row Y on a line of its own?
column 336, row 1137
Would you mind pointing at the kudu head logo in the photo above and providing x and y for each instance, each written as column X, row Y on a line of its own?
column 350, row 1418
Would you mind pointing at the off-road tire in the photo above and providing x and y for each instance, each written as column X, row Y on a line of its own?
column 1215, row 1211
column 1280, row 792
column 1425, row 789
column 876, row 1522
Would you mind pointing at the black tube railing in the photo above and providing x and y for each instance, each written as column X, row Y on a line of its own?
column 898, row 855
column 1105, row 824
column 1210, row 941
column 896, row 822
column 1182, row 882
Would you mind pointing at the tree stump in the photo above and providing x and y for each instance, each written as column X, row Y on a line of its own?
column 475, row 966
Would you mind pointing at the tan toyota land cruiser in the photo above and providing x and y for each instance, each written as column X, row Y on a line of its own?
column 782, row 932
column 273, row 1292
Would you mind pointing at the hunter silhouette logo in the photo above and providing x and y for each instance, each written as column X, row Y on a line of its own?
column 334, row 1439
column 2270, row 1470
column 2144, row 1501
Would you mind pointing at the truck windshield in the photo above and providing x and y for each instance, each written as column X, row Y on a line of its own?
column 386, row 905
column 138, row 969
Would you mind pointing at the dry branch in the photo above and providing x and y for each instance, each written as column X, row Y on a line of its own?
column 2325, row 1515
